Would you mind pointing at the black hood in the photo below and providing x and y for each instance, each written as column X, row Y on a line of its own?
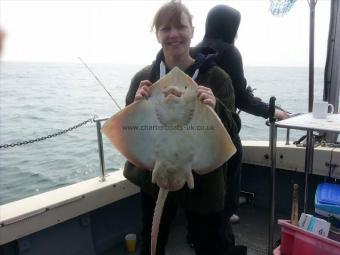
column 203, row 61
column 222, row 23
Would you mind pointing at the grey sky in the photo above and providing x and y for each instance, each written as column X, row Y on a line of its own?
column 119, row 31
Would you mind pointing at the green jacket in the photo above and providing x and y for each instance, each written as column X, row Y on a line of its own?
column 208, row 194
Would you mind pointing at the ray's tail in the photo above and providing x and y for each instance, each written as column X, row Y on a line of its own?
column 157, row 218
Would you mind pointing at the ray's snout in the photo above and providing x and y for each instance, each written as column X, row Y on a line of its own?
column 172, row 91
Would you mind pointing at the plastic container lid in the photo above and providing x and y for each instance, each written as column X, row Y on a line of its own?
column 328, row 193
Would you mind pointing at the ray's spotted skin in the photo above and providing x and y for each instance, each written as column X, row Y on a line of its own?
column 171, row 151
column 171, row 140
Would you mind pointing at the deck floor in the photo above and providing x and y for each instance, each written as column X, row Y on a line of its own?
column 251, row 231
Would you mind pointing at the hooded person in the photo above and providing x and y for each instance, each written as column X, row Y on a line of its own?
column 221, row 28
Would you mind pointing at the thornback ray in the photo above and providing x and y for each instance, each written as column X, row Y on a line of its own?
column 171, row 133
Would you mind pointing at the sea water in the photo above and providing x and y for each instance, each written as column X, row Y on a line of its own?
column 39, row 99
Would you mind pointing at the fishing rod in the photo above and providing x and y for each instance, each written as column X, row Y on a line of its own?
column 100, row 83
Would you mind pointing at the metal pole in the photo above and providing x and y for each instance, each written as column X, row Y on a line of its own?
column 308, row 165
column 100, row 150
column 287, row 136
column 272, row 148
column 312, row 4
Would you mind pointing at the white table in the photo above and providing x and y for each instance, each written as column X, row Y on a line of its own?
column 307, row 122
column 310, row 124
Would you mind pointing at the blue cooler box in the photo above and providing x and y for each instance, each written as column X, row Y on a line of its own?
column 327, row 200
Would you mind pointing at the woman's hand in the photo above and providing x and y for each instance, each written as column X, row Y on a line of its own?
column 281, row 115
column 206, row 96
column 143, row 90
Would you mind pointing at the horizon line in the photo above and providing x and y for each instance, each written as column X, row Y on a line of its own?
column 135, row 64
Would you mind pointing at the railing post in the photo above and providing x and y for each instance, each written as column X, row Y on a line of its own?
column 272, row 149
column 287, row 136
column 100, row 150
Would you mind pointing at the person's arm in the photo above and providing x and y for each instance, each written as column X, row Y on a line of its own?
column 2, row 39
column 134, row 85
column 244, row 99
column 231, row 62
column 225, row 100
column 257, row 106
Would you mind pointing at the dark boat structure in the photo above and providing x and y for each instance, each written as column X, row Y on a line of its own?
column 93, row 216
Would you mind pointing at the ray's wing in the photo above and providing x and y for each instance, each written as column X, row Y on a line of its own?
column 212, row 143
column 130, row 132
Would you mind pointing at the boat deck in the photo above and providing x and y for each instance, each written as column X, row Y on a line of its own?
column 251, row 231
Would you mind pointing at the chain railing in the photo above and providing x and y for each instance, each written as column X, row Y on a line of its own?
column 39, row 139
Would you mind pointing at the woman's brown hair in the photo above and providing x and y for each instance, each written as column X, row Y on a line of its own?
column 170, row 12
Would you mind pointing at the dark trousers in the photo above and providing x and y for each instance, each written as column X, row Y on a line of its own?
column 233, row 180
column 207, row 230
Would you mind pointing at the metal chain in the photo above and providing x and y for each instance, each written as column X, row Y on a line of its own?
column 5, row 146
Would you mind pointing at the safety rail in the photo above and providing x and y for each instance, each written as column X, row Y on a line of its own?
column 95, row 119
column 287, row 133
column 39, row 139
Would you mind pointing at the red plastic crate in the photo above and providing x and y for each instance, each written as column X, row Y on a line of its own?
column 277, row 251
column 297, row 241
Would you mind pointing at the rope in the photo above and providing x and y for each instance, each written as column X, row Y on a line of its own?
column 39, row 139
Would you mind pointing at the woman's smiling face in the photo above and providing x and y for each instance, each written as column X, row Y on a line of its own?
column 175, row 35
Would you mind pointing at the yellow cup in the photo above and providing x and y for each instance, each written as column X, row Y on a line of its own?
column 131, row 242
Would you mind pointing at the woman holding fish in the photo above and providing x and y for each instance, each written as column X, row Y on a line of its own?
column 204, row 202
